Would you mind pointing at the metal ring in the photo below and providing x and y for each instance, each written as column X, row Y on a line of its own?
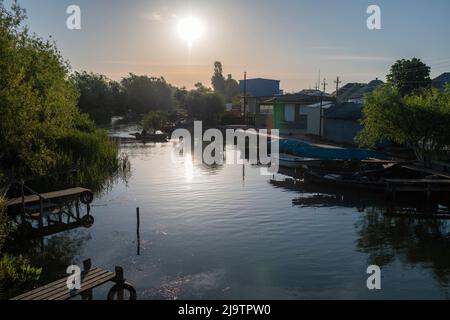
column 126, row 287
column 87, row 197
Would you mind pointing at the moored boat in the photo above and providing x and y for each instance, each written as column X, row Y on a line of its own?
column 293, row 162
column 156, row 137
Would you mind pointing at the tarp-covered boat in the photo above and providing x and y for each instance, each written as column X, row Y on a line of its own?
column 304, row 149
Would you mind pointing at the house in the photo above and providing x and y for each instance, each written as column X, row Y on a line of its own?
column 257, row 90
column 291, row 113
column 341, row 122
column 260, row 87
column 441, row 81
column 343, row 94
column 357, row 96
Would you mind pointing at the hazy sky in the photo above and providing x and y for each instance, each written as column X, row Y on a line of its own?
column 287, row 40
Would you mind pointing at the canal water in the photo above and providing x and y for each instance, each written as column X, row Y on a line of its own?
column 217, row 233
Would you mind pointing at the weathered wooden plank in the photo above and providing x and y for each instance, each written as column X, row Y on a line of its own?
column 48, row 196
column 426, row 170
column 85, row 286
column 54, row 285
column 63, row 288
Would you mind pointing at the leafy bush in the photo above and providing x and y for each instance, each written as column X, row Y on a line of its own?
column 16, row 277
column 38, row 103
column 418, row 120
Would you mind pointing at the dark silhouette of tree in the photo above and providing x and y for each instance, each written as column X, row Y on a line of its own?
column 218, row 81
column 204, row 105
column 232, row 89
column 409, row 75
column 100, row 97
column 143, row 94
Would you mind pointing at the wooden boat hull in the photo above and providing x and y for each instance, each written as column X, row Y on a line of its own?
column 152, row 137
column 340, row 181
column 293, row 162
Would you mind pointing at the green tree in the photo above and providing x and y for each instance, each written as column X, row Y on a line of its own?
column 419, row 120
column 205, row 105
column 217, row 80
column 143, row 94
column 42, row 130
column 100, row 97
column 409, row 75
column 155, row 120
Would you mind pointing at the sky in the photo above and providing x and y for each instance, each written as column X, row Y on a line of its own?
column 288, row 40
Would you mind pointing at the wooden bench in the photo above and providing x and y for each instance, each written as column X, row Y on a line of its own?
column 91, row 278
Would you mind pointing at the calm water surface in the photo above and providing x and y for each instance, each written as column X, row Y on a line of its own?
column 209, row 233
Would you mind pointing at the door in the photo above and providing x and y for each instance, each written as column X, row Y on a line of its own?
column 289, row 113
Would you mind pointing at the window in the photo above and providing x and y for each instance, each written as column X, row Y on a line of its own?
column 266, row 109
column 289, row 113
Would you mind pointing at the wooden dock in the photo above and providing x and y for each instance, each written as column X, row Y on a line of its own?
column 53, row 211
column 57, row 195
column 91, row 278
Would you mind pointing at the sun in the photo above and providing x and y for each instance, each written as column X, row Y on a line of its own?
column 190, row 29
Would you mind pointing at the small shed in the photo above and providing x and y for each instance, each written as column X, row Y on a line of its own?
column 341, row 122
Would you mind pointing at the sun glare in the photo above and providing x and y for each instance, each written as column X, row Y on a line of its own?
column 190, row 29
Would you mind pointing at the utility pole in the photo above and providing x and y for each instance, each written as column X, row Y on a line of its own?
column 318, row 82
column 321, row 106
column 338, row 82
column 245, row 98
column 324, row 85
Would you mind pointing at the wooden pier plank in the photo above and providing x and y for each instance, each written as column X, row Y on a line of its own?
column 93, row 283
column 36, row 293
column 58, row 290
column 48, row 196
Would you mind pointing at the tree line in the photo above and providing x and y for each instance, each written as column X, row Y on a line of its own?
column 137, row 95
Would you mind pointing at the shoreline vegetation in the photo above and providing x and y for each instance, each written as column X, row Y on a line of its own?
column 44, row 135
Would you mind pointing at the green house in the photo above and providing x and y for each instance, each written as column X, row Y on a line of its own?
column 285, row 112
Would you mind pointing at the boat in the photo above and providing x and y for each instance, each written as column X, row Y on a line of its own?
column 391, row 180
column 345, row 181
column 156, row 137
column 304, row 149
column 293, row 162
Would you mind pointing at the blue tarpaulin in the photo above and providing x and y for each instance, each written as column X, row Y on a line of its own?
column 304, row 149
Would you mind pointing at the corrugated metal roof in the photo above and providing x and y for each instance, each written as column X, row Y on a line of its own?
column 349, row 89
column 345, row 111
column 369, row 88
column 297, row 99
column 441, row 81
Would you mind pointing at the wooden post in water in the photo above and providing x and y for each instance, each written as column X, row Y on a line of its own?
column 138, row 235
